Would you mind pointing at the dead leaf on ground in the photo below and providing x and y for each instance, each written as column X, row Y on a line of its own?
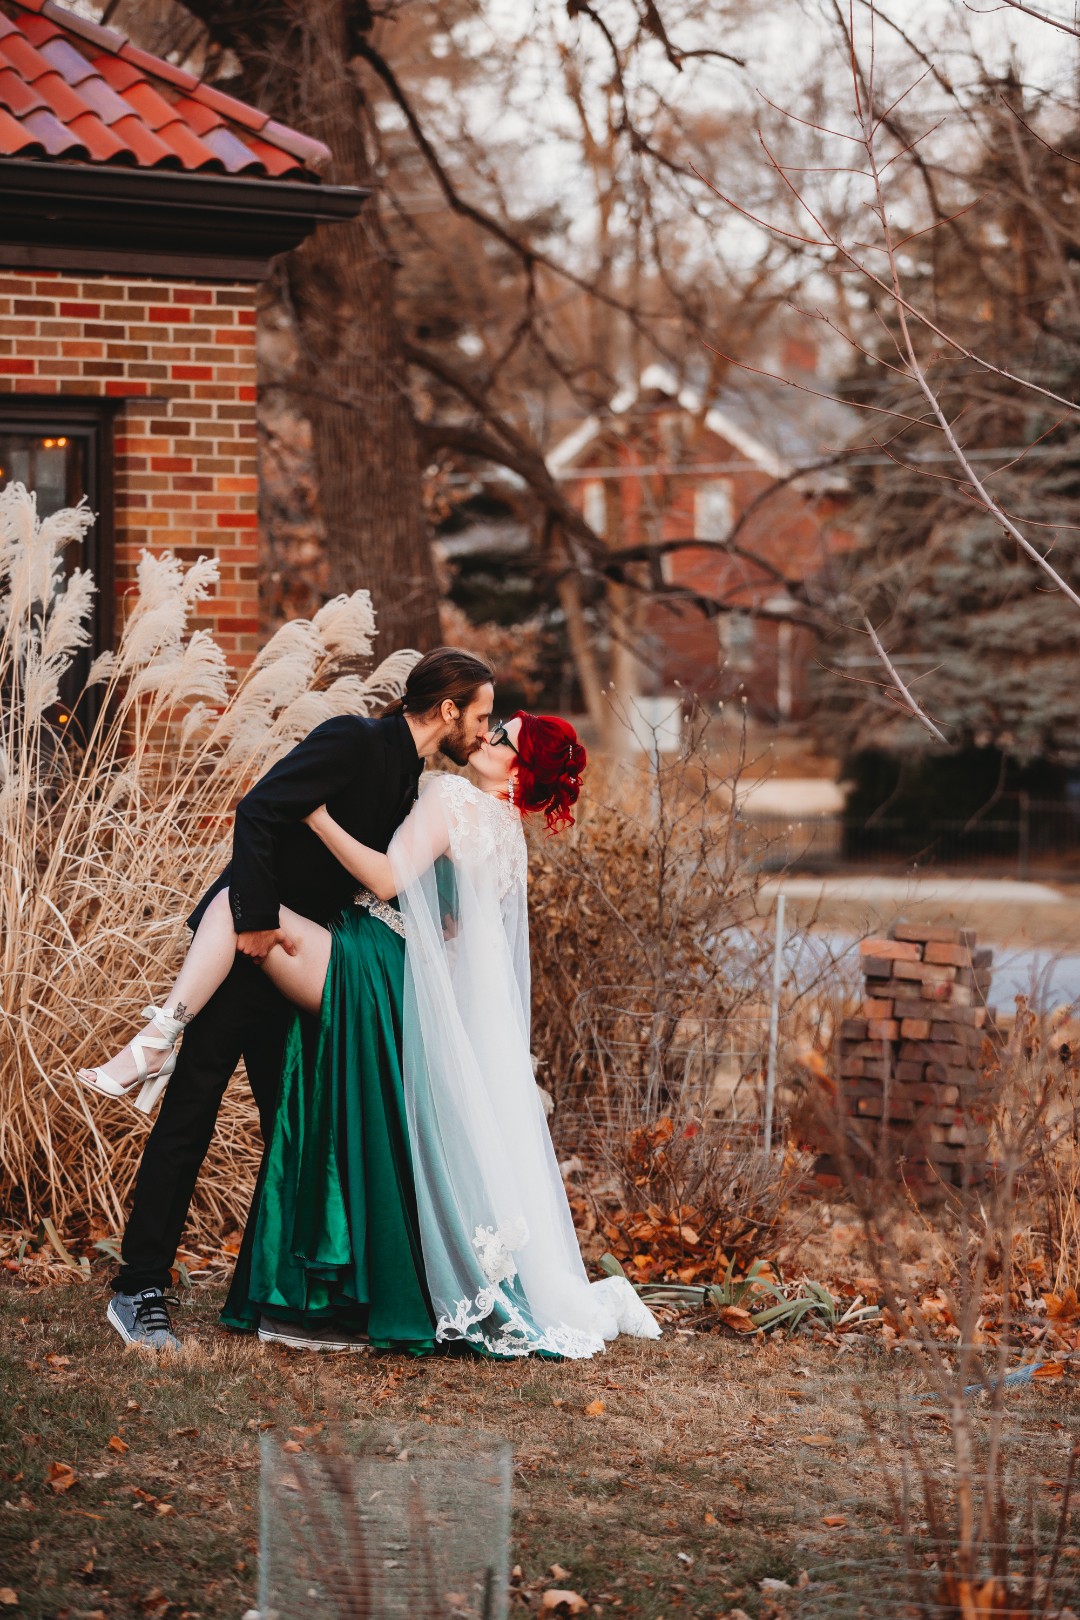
column 116, row 1444
column 8, row 1596
column 557, row 1573
column 733, row 1316
column 594, row 1408
column 572, row 1602
column 61, row 1476
column 834, row 1521
column 1049, row 1369
column 815, row 1439
column 1063, row 1308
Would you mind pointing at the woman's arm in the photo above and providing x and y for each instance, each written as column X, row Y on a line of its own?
column 367, row 865
column 422, row 837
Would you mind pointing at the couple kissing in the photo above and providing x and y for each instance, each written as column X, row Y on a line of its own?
column 366, row 952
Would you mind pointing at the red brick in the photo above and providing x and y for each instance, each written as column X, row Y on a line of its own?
column 87, row 311
column 168, row 316
column 939, row 933
column 948, row 955
column 924, row 972
column 193, row 373
column 16, row 368
column 237, row 520
column 890, row 950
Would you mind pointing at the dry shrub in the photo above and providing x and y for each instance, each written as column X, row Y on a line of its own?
column 975, row 1542
column 106, row 841
column 650, row 995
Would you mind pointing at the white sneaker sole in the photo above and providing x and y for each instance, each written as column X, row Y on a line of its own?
column 129, row 1338
column 291, row 1341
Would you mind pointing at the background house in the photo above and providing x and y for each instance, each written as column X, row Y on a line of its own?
column 754, row 464
column 139, row 209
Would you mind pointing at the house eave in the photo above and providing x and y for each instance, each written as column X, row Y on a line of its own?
column 68, row 216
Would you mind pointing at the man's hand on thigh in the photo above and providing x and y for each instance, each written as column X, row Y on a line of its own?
column 260, row 942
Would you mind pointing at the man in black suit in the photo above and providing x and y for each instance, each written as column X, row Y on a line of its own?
column 367, row 772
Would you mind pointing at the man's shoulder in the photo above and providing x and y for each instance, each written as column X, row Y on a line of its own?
column 355, row 728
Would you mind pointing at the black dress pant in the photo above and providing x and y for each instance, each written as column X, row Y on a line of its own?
column 245, row 1018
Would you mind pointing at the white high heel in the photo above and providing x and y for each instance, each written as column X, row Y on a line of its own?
column 150, row 1086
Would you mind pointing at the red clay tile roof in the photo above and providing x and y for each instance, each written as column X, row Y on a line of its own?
column 73, row 90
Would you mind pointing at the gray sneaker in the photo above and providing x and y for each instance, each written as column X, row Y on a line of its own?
column 310, row 1335
column 143, row 1318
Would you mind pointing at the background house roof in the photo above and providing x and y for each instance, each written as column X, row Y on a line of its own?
column 778, row 426
column 75, row 91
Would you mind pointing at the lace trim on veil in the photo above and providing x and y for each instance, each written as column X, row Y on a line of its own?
column 511, row 1333
column 515, row 1335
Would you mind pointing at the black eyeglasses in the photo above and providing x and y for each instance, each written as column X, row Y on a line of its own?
column 498, row 738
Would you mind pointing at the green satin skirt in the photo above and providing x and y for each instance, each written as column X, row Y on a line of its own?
column 333, row 1229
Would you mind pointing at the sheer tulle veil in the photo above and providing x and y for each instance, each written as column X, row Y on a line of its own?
column 500, row 1251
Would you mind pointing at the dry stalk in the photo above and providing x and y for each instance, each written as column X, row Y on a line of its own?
column 106, row 841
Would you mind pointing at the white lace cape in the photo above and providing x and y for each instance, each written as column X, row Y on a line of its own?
column 500, row 1251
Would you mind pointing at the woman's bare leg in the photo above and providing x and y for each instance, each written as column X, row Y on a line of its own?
column 301, row 977
column 206, row 966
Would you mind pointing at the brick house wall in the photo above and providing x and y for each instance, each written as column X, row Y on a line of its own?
column 178, row 357
column 762, row 657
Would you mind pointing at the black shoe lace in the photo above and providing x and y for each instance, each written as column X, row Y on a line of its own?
column 153, row 1313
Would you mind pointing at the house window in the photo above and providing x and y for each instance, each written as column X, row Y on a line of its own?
column 594, row 506
column 737, row 637
column 61, row 450
column 712, row 511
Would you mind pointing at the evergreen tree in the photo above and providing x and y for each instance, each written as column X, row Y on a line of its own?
column 986, row 642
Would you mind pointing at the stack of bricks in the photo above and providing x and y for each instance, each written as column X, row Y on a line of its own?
column 908, row 1068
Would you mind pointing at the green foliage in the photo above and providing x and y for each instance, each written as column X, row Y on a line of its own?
column 740, row 1294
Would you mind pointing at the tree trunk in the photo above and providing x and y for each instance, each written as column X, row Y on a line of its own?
column 295, row 62
column 341, row 284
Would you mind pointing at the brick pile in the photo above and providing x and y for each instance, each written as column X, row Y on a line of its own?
column 908, row 1069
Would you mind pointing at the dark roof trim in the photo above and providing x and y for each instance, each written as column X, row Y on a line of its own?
column 66, row 216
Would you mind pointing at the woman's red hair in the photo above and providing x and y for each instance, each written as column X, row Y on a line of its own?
column 550, row 762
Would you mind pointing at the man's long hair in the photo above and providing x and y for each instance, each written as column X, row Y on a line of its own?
column 445, row 674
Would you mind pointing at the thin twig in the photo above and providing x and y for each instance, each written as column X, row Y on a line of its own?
column 920, row 714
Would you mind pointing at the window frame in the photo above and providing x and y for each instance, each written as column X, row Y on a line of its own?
column 92, row 420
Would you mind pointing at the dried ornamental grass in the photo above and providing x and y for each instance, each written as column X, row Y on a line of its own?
column 105, row 842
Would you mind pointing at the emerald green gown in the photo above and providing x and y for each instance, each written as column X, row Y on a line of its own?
column 333, row 1229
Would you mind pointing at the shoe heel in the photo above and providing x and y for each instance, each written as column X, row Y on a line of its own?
column 150, row 1093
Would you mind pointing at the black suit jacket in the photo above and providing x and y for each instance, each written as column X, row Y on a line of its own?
column 366, row 772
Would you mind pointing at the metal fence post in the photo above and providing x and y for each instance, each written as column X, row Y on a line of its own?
column 774, row 1019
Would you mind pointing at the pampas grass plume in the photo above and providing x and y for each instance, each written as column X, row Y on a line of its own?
column 105, row 845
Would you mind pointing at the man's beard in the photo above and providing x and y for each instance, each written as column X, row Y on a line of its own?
column 455, row 745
